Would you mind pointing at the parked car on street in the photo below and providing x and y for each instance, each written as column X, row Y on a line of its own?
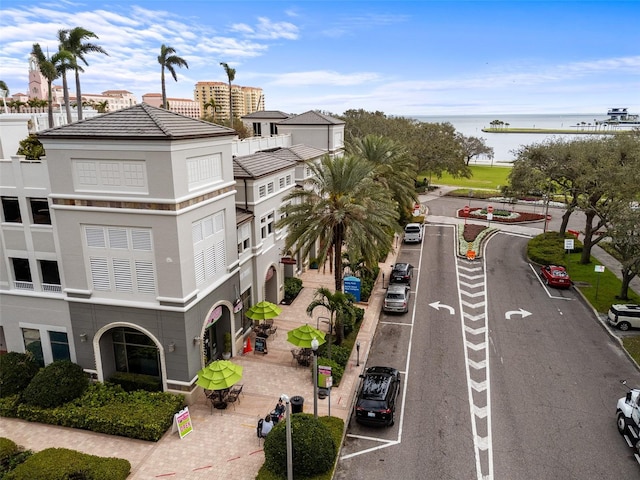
column 401, row 273
column 397, row 298
column 555, row 276
column 624, row 316
column 413, row 233
column 376, row 403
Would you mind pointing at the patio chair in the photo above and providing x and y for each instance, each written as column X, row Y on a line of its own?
column 269, row 322
column 237, row 390
column 295, row 354
column 272, row 330
column 232, row 397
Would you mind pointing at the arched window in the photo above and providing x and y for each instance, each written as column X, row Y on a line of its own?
column 135, row 352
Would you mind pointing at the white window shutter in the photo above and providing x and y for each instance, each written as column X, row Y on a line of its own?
column 118, row 238
column 196, row 232
column 100, row 274
column 198, row 264
column 145, row 277
column 122, row 275
column 221, row 260
column 141, row 240
column 95, row 237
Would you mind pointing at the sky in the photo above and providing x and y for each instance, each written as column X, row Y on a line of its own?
column 408, row 58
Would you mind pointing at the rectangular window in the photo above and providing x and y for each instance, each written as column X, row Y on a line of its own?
column 50, row 276
column 270, row 188
column 281, row 182
column 266, row 225
column 21, row 269
column 11, row 210
column 114, row 175
column 257, row 129
column 33, row 344
column 288, row 180
column 40, row 211
column 262, row 191
column 59, row 346
column 273, row 128
column 244, row 238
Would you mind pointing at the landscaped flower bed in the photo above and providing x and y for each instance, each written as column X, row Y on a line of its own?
column 500, row 215
column 470, row 238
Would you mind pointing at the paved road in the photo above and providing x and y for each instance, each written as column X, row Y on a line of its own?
column 486, row 396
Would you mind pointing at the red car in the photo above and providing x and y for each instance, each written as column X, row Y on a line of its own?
column 555, row 276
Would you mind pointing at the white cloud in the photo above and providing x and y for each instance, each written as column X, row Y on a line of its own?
column 323, row 77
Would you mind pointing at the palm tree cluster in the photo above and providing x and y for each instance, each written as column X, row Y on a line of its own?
column 73, row 47
column 351, row 202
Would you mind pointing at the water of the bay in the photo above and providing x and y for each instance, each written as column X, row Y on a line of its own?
column 506, row 144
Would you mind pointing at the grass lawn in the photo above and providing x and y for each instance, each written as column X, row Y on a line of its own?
column 605, row 285
column 483, row 177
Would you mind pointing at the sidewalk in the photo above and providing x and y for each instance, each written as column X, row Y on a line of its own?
column 223, row 444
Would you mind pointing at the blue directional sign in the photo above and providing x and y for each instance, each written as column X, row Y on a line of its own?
column 352, row 286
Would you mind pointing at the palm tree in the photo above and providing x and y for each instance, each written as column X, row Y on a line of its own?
column 169, row 60
column 392, row 167
column 231, row 75
column 102, row 107
column 214, row 107
column 75, row 44
column 63, row 38
column 49, row 69
column 343, row 205
column 339, row 306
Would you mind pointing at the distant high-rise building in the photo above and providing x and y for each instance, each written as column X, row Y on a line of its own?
column 246, row 100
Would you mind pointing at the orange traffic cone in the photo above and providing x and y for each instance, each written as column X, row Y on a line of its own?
column 247, row 346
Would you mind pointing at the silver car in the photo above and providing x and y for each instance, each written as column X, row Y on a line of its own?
column 397, row 299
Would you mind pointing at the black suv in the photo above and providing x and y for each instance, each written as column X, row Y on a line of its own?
column 402, row 273
column 376, row 402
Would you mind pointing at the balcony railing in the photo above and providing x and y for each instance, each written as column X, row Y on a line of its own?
column 52, row 288
column 23, row 285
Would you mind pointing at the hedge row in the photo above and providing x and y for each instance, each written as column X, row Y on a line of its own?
column 65, row 464
column 548, row 248
column 105, row 409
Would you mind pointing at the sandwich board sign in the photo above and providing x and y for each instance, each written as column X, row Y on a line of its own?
column 183, row 423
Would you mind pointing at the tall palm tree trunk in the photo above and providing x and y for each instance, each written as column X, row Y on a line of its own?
column 164, row 89
column 65, row 90
column 78, row 95
column 338, row 240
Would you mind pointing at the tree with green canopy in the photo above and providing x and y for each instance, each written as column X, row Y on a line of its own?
column 342, row 204
column 169, row 60
column 48, row 66
column 75, row 42
column 231, row 76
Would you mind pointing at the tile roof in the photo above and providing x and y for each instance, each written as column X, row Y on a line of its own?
column 259, row 164
column 141, row 121
column 311, row 118
column 267, row 114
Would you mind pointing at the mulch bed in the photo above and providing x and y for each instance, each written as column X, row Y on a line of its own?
column 470, row 232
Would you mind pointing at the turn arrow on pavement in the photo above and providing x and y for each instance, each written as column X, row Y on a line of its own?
column 437, row 306
column 522, row 312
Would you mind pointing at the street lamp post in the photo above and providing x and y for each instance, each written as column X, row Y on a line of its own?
column 314, row 347
column 357, row 353
column 285, row 399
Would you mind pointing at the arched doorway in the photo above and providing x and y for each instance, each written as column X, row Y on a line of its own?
column 217, row 323
column 271, row 285
column 123, row 347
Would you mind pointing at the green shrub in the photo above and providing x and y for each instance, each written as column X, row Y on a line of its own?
column 56, row 384
column 548, row 248
column 339, row 353
column 16, row 371
column 314, row 449
column 131, row 382
column 107, row 408
column 65, row 464
column 9, row 406
column 11, row 455
column 292, row 287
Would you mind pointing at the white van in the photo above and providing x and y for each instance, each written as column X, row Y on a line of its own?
column 413, row 233
column 624, row 316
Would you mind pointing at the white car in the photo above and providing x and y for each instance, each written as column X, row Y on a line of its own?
column 413, row 233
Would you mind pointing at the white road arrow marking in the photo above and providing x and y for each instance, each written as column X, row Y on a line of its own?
column 472, row 295
column 473, row 318
column 472, row 305
column 471, row 285
column 475, row 331
column 480, row 412
column 471, row 277
column 476, row 347
column 477, row 365
column 437, row 306
column 522, row 312
column 478, row 386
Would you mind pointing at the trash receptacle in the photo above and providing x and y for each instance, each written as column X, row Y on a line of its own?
column 297, row 404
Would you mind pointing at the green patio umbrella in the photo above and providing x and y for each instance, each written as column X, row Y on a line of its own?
column 219, row 375
column 302, row 336
column 263, row 310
